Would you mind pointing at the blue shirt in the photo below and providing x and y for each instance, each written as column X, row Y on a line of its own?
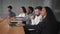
column 12, row 14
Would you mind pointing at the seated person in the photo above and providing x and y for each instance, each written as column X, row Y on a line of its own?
column 22, row 12
column 29, row 13
column 11, row 14
column 22, row 15
column 34, row 26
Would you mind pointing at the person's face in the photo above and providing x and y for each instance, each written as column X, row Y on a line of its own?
column 43, row 11
column 28, row 10
column 37, row 11
column 9, row 9
column 21, row 10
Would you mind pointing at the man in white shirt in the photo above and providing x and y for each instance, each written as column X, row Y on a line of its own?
column 38, row 16
column 34, row 27
column 36, row 20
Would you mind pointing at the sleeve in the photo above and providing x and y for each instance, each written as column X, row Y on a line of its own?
column 12, row 15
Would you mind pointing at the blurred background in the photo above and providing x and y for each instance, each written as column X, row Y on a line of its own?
column 54, row 4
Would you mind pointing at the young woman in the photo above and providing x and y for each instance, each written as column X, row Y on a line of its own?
column 49, row 25
column 22, row 12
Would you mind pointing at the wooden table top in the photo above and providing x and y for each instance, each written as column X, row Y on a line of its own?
column 6, row 29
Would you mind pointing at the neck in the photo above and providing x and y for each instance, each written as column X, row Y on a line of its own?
column 44, row 15
column 22, row 13
column 10, row 11
column 28, row 13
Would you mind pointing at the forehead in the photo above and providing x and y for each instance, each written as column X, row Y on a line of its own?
column 8, row 8
column 43, row 9
column 20, row 8
column 37, row 10
column 28, row 8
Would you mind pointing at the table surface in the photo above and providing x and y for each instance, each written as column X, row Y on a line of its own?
column 6, row 29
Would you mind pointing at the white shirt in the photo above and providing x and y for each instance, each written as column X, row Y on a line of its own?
column 21, row 15
column 36, row 20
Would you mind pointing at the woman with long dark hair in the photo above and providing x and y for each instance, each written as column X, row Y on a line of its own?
column 22, row 12
column 49, row 25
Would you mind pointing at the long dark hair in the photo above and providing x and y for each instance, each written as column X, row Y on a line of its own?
column 50, row 13
column 31, row 8
column 24, row 9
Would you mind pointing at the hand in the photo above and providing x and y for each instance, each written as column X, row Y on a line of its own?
column 32, row 17
column 41, row 20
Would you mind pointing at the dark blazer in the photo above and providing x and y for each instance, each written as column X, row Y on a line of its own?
column 49, row 26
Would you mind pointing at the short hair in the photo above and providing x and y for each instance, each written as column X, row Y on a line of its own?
column 31, row 8
column 39, row 7
column 24, row 9
column 10, row 7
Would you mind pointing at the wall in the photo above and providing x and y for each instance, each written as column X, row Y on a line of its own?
column 18, row 3
column 0, row 8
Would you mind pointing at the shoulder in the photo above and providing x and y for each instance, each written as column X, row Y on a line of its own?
column 13, row 12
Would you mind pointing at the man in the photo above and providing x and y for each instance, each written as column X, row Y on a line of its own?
column 11, row 14
column 29, row 13
column 33, row 26
column 38, row 17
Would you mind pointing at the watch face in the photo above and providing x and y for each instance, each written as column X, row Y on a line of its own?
column 12, row 24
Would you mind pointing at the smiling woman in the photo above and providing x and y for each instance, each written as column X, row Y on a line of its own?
column 49, row 25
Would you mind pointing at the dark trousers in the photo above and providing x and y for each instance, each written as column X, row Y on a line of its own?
column 36, row 31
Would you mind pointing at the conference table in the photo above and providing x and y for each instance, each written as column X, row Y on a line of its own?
column 6, row 29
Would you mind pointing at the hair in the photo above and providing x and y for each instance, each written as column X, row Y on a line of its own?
column 39, row 7
column 10, row 6
column 24, row 9
column 31, row 8
column 50, row 13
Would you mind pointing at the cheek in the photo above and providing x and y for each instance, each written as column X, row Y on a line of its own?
column 43, row 13
column 27, row 10
column 8, row 9
column 36, row 12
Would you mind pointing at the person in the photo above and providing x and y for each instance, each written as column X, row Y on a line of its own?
column 38, row 17
column 22, row 12
column 22, row 15
column 34, row 27
column 11, row 15
column 49, row 25
column 29, row 13
column 29, row 10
